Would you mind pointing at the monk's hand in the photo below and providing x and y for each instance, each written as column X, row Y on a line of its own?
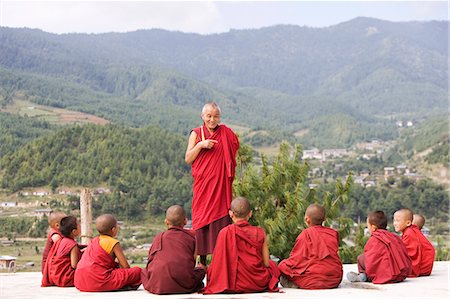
column 208, row 143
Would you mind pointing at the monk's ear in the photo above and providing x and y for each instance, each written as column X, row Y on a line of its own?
column 249, row 214
column 166, row 222
column 230, row 213
column 185, row 221
column 307, row 220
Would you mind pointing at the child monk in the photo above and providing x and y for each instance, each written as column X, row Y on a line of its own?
column 64, row 255
column 171, row 259
column 385, row 259
column 53, row 235
column 418, row 220
column 420, row 250
column 97, row 270
column 314, row 262
column 240, row 262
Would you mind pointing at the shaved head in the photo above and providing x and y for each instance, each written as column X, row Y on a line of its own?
column 405, row 214
column 240, row 206
column 316, row 213
column 105, row 223
column 175, row 215
column 418, row 220
column 55, row 217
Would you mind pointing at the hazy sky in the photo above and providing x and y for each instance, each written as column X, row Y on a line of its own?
column 204, row 16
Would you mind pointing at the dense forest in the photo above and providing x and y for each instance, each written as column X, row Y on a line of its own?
column 145, row 167
column 338, row 85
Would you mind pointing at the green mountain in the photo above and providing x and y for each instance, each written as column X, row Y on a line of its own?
column 145, row 167
column 359, row 75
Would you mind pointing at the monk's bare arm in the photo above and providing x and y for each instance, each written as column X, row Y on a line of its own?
column 265, row 253
column 193, row 149
column 74, row 257
column 117, row 249
column 55, row 237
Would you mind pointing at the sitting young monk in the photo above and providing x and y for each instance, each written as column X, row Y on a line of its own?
column 420, row 250
column 171, row 259
column 240, row 262
column 97, row 270
column 385, row 259
column 59, row 269
column 419, row 221
column 53, row 235
column 314, row 262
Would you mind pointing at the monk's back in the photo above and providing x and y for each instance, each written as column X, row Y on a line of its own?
column 171, row 263
column 420, row 250
column 314, row 262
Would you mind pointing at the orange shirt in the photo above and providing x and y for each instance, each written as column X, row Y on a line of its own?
column 107, row 243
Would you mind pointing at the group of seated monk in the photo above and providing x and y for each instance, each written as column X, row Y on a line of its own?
column 240, row 262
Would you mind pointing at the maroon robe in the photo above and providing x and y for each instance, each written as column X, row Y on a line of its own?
column 98, row 272
column 171, row 264
column 237, row 265
column 58, row 269
column 48, row 246
column 213, row 171
column 314, row 262
column 420, row 250
column 386, row 259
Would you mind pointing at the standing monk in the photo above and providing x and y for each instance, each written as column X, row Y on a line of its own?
column 211, row 150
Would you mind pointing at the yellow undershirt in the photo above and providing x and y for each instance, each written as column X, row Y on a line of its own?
column 107, row 243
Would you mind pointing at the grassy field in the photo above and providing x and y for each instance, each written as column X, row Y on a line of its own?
column 52, row 115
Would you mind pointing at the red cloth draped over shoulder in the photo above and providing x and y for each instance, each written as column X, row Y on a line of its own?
column 97, row 271
column 58, row 270
column 386, row 259
column 420, row 250
column 213, row 171
column 237, row 264
column 171, row 265
column 48, row 246
column 314, row 262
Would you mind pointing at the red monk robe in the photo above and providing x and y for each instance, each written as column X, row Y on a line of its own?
column 314, row 262
column 237, row 264
column 420, row 250
column 97, row 271
column 171, row 265
column 48, row 246
column 58, row 270
column 386, row 259
column 213, row 171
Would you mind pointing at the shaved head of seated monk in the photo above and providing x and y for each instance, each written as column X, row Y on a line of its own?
column 314, row 215
column 54, row 219
column 97, row 270
column 419, row 220
column 419, row 248
column 53, row 235
column 240, row 262
column 171, row 259
column 175, row 216
column 385, row 259
column 403, row 218
column 240, row 209
column 107, row 225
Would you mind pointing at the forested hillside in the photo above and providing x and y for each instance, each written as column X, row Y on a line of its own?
column 15, row 131
column 364, row 74
column 144, row 167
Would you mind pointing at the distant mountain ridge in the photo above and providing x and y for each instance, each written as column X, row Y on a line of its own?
column 283, row 78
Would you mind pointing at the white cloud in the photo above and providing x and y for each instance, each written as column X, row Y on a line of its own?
column 96, row 17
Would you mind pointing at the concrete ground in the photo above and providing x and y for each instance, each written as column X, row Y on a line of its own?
column 27, row 285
